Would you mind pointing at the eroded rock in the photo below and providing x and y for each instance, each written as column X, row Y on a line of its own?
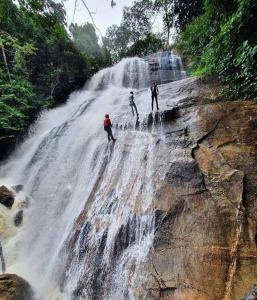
column 206, row 213
column 6, row 197
column 13, row 287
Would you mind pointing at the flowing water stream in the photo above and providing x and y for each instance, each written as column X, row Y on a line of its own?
column 90, row 225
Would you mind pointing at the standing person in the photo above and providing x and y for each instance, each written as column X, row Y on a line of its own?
column 132, row 103
column 155, row 93
column 108, row 128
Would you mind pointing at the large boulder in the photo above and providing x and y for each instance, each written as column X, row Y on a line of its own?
column 6, row 197
column 13, row 287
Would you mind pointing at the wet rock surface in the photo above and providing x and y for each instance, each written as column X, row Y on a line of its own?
column 206, row 213
column 252, row 295
column 13, row 287
column 18, row 218
column 6, row 197
column 205, row 205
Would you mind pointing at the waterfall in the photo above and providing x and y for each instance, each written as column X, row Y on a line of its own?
column 165, row 67
column 90, row 225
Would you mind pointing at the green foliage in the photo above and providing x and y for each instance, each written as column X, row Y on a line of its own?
column 86, row 41
column 150, row 44
column 40, row 65
column 17, row 105
column 223, row 41
column 134, row 35
column 116, row 41
column 185, row 11
column 137, row 19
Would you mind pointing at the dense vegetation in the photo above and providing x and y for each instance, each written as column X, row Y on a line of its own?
column 221, row 40
column 40, row 64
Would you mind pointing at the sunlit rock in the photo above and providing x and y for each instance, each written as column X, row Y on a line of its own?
column 7, row 227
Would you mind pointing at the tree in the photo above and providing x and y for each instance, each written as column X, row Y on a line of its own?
column 185, row 11
column 86, row 40
column 135, row 29
column 222, row 42
column 138, row 19
column 117, row 40
column 167, row 8
column 146, row 46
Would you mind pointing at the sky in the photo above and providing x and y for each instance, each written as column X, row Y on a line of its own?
column 103, row 14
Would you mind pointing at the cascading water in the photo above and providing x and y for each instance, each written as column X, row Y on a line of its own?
column 90, row 226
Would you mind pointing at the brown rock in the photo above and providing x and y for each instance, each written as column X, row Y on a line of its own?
column 13, row 287
column 6, row 197
column 206, row 213
column 205, row 198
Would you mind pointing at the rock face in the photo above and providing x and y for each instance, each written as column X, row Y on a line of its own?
column 13, row 287
column 205, row 243
column 6, row 197
column 252, row 295
column 206, row 205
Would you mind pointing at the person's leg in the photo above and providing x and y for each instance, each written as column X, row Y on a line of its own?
column 132, row 110
column 111, row 135
column 152, row 100
column 108, row 134
column 135, row 109
column 156, row 99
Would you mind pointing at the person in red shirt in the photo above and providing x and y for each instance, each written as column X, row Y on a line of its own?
column 108, row 128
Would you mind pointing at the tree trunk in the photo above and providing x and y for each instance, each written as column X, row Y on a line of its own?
column 168, row 37
column 5, row 60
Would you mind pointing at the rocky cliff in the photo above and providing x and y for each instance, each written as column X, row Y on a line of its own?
column 206, row 213
column 170, row 211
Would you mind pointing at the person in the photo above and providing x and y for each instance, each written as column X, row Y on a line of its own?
column 155, row 93
column 108, row 128
column 132, row 103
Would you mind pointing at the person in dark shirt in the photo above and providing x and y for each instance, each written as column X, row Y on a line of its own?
column 108, row 128
column 155, row 93
column 132, row 103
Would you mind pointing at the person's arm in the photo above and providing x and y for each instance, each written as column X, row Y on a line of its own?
column 157, row 89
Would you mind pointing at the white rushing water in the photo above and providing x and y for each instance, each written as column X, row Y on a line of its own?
column 90, row 225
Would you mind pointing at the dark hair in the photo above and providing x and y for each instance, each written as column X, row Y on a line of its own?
column 131, row 92
column 106, row 116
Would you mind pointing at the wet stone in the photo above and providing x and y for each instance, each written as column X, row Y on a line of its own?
column 13, row 287
column 17, row 188
column 6, row 197
column 186, row 173
column 18, row 219
column 252, row 295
